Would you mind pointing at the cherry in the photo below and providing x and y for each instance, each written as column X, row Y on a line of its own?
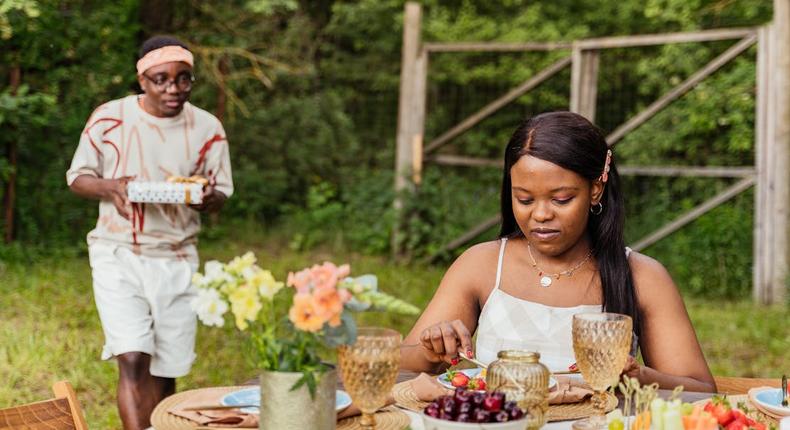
column 464, row 418
column 501, row 417
column 449, row 406
column 432, row 410
column 515, row 414
column 492, row 404
column 465, row 408
column 482, row 416
column 462, row 395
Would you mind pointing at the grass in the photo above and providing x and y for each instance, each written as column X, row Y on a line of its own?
column 49, row 328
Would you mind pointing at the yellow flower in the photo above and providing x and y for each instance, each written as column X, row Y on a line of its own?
column 245, row 305
column 238, row 264
column 303, row 314
column 265, row 283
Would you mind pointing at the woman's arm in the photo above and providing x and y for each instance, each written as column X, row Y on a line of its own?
column 670, row 348
column 445, row 328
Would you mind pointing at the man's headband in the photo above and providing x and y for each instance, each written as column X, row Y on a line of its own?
column 165, row 54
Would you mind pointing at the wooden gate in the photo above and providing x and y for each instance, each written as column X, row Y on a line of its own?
column 772, row 139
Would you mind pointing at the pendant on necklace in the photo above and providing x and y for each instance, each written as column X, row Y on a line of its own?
column 545, row 281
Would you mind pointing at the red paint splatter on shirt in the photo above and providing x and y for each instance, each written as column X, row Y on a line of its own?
column 138, row 220
column 116, row 123
column 204, row 151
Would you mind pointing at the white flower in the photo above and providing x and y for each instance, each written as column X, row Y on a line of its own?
column 214, row 271
column 209, row 307
column 199, row 280
column 249, row 272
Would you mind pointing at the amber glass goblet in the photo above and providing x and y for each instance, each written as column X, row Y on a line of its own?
column 369, row 369
column 601, row 342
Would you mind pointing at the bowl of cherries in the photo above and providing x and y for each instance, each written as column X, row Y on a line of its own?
column 466, row 409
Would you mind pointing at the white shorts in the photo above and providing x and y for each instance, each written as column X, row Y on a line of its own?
column 143, row 304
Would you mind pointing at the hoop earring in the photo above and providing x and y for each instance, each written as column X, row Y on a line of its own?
column 599, row 206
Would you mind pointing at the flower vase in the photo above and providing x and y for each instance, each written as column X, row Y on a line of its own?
column 283, row 409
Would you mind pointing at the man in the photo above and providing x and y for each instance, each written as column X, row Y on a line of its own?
column 143, row 255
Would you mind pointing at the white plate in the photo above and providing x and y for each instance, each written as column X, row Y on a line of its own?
column 471, row 373
column 771, row 401
column 252, row 396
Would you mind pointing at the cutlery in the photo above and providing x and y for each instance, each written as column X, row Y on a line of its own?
column 474, row 360
column 216, row 407
column 784, row 390
column 565, row 372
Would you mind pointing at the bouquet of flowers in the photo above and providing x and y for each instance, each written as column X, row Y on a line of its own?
column 289, row 326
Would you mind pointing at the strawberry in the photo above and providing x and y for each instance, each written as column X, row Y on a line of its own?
column 459, row 380
column 721, row 410
column 757, row 426
column 481, row 384
column 736, row 425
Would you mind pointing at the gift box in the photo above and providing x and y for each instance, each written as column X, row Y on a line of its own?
column 189, row 193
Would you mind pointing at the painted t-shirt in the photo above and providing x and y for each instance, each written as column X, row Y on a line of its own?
column 121, row 139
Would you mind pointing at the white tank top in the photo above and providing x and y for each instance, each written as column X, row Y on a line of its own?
column 507, row 322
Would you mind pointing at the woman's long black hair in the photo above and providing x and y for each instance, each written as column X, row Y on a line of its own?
column 574, row 143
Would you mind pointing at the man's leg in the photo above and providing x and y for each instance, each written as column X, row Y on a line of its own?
column 138, row 391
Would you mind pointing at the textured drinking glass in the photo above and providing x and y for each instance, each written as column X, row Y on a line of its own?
column 601, row 342
column 369, row 368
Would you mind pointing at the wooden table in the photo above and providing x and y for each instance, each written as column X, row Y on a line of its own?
column 416, row 420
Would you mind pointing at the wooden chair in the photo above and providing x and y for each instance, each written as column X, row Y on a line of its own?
column 732, row 385
column 61, row 413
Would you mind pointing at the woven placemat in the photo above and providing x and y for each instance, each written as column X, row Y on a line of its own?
column 389, row 418
column 753, row 413
column 406, row 398
column 162, row 420
column 386, row 419
column 575, row 411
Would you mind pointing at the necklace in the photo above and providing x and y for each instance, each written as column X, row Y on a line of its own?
column 545, row 278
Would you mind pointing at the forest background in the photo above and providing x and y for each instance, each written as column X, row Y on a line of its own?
column 308, row 93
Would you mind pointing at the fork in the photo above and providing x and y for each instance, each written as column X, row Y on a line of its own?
column 474, row 360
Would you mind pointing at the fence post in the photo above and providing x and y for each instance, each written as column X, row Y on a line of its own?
column 584, row 82
column 411, row 113
column 762, row 141
column 780, row 155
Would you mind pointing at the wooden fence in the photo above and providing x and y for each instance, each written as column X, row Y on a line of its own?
column 770, row 174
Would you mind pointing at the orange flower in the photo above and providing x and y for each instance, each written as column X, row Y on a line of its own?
column 300, row 280
column 303, row 314
column 327, row 274
column 328, row 304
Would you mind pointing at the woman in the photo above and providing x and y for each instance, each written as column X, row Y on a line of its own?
column 561, row 251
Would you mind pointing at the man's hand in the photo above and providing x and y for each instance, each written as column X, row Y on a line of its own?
column 117, row 193
column 213, row 200
column 113, row 190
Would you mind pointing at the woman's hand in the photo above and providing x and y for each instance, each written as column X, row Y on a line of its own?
column 443, row 341
column 632, row 368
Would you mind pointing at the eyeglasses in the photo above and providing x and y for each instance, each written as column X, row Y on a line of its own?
column 183, row 82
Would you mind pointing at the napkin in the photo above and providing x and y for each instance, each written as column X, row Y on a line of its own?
column 773, row 412
column 569, row 390
column 223, row 417
column 427, row 388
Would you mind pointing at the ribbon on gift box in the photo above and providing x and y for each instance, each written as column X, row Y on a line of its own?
column 194, row 179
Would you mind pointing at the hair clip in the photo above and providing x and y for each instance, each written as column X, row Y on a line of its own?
column 605, row 175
